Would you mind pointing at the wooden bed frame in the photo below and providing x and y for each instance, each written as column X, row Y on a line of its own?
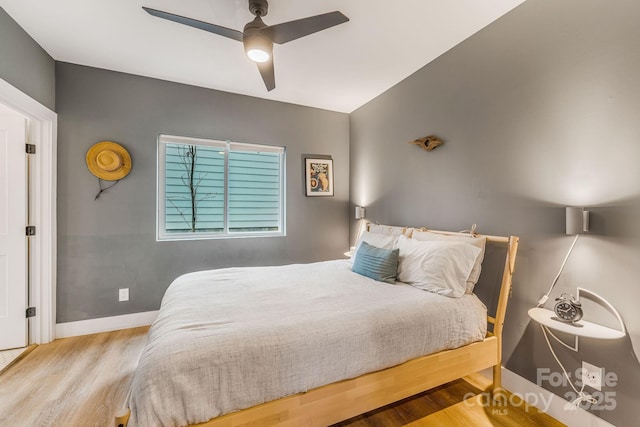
column 342, row 400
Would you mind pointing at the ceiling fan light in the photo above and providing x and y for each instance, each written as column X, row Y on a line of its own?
column 257, row 46
column 258, row 55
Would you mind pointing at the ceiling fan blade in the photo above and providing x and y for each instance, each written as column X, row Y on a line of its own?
column 268, row 74
column 212, row 28
column 288, row 31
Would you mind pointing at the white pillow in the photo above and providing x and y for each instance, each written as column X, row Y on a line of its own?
column 384, row 241
column 391, row 230
column 441, row 267
column 479, row 242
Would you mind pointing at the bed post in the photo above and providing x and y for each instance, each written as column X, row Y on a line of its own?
column 505, row 292
column 122, row 417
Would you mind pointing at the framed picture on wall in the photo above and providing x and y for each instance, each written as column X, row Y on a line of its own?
column 319, row 177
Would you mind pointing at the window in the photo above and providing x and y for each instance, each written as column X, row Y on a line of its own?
column 213, row 189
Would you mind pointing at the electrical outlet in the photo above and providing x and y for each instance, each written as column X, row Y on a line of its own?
column 123, row 294
column 592, row 375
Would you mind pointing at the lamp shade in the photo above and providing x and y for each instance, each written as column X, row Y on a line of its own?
column 577, row 220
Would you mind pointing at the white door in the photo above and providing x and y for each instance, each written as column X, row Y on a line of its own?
column 13, row 241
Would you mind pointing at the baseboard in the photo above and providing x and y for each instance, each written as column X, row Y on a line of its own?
column 547, row 401
column 105, row 324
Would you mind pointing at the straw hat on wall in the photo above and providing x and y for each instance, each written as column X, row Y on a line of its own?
column 108, row 161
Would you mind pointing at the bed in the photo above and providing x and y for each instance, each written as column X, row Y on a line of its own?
column 309, row 344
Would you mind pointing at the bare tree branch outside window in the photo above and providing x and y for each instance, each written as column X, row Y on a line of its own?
column 192, row 179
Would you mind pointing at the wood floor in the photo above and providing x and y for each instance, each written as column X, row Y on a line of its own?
column 9, row 357
column 71, row 382
column 82, row 382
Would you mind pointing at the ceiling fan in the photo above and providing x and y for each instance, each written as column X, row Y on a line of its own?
column 258, row 38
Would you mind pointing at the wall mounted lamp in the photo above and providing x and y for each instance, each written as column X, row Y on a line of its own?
column 576, row 223
column 360, row 213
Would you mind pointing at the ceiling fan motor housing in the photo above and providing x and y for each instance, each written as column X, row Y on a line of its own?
column 253, row 38
column 259, row 7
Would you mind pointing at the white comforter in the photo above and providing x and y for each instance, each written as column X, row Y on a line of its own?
column 229, row 339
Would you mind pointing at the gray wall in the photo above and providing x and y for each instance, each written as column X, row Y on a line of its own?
column 538, row 111
column 24, row 64
column 109, row 243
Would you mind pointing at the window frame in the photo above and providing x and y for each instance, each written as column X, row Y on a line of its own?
column 161, row 233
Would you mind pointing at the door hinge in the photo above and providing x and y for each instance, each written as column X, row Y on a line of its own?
column 31, row 312
column 31, row 148
column 31, row 230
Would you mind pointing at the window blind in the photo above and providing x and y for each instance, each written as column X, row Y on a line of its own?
column 215, row 188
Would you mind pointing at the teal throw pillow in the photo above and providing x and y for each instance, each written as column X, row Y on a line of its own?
column 377, row 263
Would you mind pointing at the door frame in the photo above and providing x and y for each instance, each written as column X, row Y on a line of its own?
column 42, row 131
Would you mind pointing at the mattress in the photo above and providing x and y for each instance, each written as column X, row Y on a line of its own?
column 229, row 339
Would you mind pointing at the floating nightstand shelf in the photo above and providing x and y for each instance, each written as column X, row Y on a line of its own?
column 584, row 329
column 581, row 328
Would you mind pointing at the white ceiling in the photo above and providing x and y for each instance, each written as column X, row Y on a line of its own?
column 338, row 69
